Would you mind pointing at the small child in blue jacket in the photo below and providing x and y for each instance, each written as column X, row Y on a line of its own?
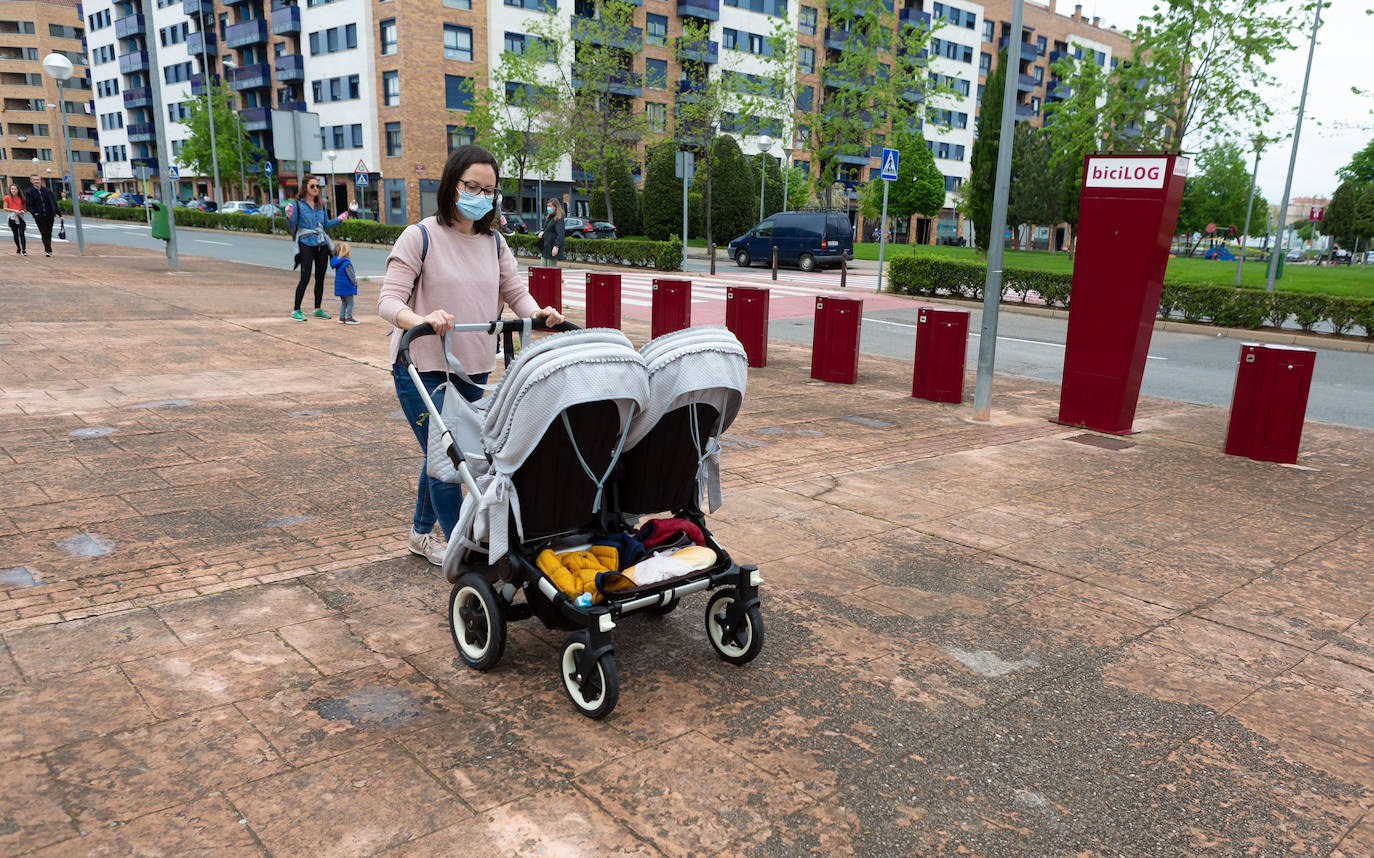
column 345, row 281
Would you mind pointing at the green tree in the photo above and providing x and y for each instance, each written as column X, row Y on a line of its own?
column 623, row 195
column 662, row 202
column 1074, row 128
column 1215, row 191
column 1364, row 213
column 772, row 186
column 230, row 138
column 918, row 189
column 1037, row 181
column 1338, row 221
column 516, row 119
column 982, row 179
column 734, row 206
column 698, row 114
column 800, row 194
column 1361, row 167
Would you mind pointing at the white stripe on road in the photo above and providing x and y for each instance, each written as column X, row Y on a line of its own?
column 1004, row 339
column 208, row 241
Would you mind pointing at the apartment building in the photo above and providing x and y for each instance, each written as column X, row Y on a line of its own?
column 30, row 125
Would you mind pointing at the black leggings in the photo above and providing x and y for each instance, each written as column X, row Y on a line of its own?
column 316, row 256
column 20, row 228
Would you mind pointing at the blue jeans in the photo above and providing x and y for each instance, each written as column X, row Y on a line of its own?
column 434, row 498
column 346, row 310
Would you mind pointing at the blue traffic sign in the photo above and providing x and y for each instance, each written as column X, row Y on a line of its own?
column 889, row 162
column 360, row 179
column 267, row 168
column 174, row 172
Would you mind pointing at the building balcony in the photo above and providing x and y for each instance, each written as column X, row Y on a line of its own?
column 841, row 38
column 286, row 20
column 1056, row 56
column 860, row 160
column 911, row 93
column 250, row 77
column 139, row 96
column 1057, row 91
column 690, row 91
column 706, row 10
column 915, row 18
column 1025, row 113
column 289, row 67
column 197, row 83
column 619, row 83
column 1025, row 83
column 246, row 33
column 837, row 79
column 598, row 33
column 134, row 61
column 298, row 106
column 142, row 132
column 130, row 26
column 256, row 119
column 231, row 2
column 1029, row 52
column 198, row 43
column 701, row 50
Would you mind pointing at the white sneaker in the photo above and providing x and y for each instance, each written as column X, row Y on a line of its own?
column 430, row 546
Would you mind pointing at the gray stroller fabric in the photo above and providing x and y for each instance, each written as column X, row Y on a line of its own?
column 704, row 365
column 549, row 377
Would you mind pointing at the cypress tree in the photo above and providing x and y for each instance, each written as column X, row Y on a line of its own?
column 983, row 163
column 662, row 214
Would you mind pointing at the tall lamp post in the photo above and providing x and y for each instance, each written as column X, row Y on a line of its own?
column 333, row 203
column 238, row 126
column 764, row 144
column 59, row 68
column 786, row 174
column 1259, row 142
column 1293, row 153
column 209, row 105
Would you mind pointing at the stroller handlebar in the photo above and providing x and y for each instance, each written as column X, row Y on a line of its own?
column 496, row 326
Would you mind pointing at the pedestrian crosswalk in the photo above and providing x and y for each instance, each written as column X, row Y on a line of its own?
column 636, row 289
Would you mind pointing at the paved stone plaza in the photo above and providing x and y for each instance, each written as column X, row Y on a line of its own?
column 1001, row 640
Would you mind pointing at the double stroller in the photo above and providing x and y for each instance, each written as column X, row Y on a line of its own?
column 582, row 438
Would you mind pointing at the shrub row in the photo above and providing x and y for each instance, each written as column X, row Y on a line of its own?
column 1224, row 306
column 639, row 253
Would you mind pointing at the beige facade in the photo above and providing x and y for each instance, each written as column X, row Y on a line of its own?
column 30, row 124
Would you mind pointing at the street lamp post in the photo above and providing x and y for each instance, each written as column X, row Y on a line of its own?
column 333, row 203
column 1259, row 142
column 59, row 68
column 764, row 144
column 209, row 106
column 1293, row 154
column 786, row 174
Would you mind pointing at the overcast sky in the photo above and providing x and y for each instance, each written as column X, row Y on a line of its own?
column 1337, row 123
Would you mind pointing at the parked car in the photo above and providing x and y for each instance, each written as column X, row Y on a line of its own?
column 525, row 224
column 269, row 209
column 805, row 239
column 603, row 229
column 119, row 200
column 1295, row 256
column 239, row 207
column 576, row 227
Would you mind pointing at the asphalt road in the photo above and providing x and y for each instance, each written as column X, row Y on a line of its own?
column 1187, row 367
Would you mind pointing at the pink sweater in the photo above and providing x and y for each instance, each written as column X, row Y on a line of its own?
column 461, row 276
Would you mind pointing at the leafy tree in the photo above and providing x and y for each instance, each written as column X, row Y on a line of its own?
column 517, row 118
column 1074, row 129
column 1037, row 180
column 1361, row 167
column 229, row 138
column 623, row 195
column 1215, row 191
column 662, row 203
column 1338, row 221
column 982, row 179
column 772, row 186
column 918, row 189
column 1364, row 212
column 798, row 186
column 734, row 207
column 700, row 111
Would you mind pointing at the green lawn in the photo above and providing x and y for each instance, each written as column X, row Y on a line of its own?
column 1341, row 280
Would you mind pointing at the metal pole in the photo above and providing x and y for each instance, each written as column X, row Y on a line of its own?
column 683, row 158
column 882, row 235
column 1293, row 155
column 296, row 139
column 243, row 174
column 209, row 103
column 763, row 178
column 71, row 174
column 1249, row 203
column 786, row 178
column 992, row 285
column 163, row 150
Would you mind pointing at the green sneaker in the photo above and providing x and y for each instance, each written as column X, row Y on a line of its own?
column 298, row 316
column 320, row 314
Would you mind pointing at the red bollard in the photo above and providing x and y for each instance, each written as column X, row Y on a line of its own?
column 546, row 287
column 603, row 300
column 672, row 306
column 835, row 340
column 746, row 315
column 1269, row 402
column 941, row 343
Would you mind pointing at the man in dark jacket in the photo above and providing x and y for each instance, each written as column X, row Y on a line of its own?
column 41, row 203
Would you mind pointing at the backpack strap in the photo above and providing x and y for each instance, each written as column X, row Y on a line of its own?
column 424, row 251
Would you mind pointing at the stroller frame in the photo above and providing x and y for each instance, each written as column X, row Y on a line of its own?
column 483, row 598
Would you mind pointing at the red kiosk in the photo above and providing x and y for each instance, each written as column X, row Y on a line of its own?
column 1126, row 216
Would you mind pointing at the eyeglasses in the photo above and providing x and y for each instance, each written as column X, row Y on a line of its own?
column 477, row 190
column 312, row 187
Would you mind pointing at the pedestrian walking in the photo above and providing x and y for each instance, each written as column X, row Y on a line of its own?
column 308, row 222
column 14, row 210
column 553, row 237
column 39, row 200
column 345, row 281
column 451, row 267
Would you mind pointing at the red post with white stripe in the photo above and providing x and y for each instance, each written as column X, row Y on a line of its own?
column 603, row 300
column 672, row 306
column 546, row 287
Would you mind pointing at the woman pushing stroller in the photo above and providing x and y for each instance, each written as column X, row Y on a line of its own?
column 451, row 267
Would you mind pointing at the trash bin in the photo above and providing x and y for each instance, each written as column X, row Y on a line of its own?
column 941, row 343
column 159, row 214
column 1269, row 402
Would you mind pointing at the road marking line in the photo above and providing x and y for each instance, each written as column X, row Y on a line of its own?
column 1007, row 339
column 208, row 241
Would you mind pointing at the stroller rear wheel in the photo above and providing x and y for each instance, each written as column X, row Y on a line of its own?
column 736, row 636
column 476, row 622
column 596, row 691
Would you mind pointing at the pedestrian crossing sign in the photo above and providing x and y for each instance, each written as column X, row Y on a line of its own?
column 173, row 172
column 889, row 162
column 360, row 179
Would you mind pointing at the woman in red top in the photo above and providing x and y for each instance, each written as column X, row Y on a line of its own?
column 14, row 209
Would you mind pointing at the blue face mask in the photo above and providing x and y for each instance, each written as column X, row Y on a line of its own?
column 549, row 209
column 473, row 206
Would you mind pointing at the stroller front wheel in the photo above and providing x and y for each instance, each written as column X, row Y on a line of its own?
column 736, row 636
column 476, row 621
column 594, row 689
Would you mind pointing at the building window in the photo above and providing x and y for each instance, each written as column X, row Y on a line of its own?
column 1038, row 72
column 806, row 96
column 107, row 87
column 756, row 42
column 111, row 121
column 387, row 33
column 179, row 73
column 729, row 39
column 458, row 4
column 335, row 39
column 658, row 116
column 99, row 21
column 536, row 5
column 515, row 44
column 179, row 112
column 457, row 43
column 806, row 60
column 953, row 183
column 391, row 88
column 988, row 31
column 656, row 74
column 173, row 35
column 807, row 24
column 393, row 139
column 102, row 54
column 984, row 63
column 655, row 30
column 1035, row 103
column 1041, row 45
column 776, row 8
column 457, row 93
column 460, row 136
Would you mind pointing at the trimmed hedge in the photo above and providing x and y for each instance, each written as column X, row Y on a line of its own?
column 638, row 253
column 1224, row 306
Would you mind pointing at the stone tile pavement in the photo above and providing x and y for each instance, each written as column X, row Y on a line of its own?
column 996, row 639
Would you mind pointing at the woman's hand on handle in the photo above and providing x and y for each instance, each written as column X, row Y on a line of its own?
column 440, row 320
column 549, row 315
